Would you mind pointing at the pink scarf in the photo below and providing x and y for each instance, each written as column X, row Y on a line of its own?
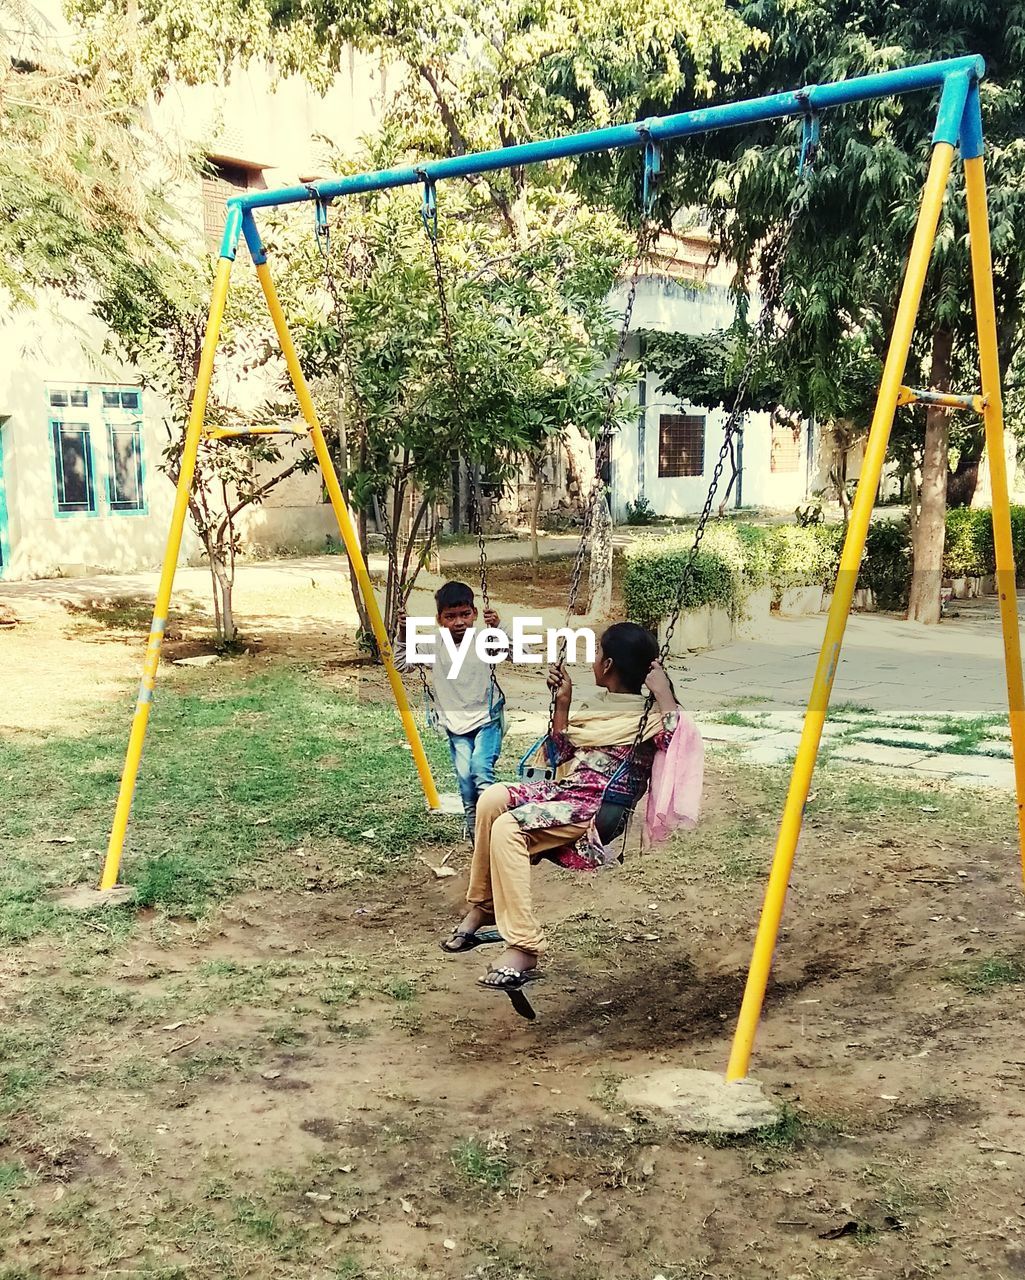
column 674, row 794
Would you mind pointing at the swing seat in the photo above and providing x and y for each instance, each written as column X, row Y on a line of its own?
column 538, row 763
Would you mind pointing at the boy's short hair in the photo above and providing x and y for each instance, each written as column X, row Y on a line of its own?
column 453, row 595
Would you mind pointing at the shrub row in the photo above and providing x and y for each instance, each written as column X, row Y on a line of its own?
column 737, row 559
column 734, row 560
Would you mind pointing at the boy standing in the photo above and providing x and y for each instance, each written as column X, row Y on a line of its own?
column 470, row 704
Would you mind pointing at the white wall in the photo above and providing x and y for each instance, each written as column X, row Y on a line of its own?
column 676, row 306
column 251, row 119
column 48, row 349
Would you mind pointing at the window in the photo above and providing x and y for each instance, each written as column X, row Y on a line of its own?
column 73, row 461
column 785, row 452
column 94, row 425
column 220, row 183
column 681, row 445
column 124, row 481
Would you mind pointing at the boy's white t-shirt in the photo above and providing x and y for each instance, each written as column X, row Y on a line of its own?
column 466, row 702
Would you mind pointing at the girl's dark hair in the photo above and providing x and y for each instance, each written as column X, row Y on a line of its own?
column 453, row 595
column 632, row 650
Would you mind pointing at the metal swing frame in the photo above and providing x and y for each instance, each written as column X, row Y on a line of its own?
column 958, row 126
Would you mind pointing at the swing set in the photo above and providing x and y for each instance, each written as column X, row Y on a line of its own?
column 958, row 127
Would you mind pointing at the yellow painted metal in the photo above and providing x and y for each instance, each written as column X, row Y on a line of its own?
column 993, row 417
column 843, row 594
column 140, row 720
column 908, row 395
column 241, row 433
column 348, row 532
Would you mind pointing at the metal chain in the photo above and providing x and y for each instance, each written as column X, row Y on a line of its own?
column 430, row 224
column 603, row 444
column 763, row 334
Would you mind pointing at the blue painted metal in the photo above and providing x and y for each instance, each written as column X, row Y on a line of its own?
column 817, row 98
column 5, row 540
column 429, row 208
column 232, row 229
column 652, row 174
column 972, row 145
column 253, row 242
column 810, row 131
column 952, row 106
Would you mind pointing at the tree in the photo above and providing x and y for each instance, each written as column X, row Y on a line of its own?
column 73, row 210
column 157, row 314
column 529, row 335
column 846, row 260
column 469, row 77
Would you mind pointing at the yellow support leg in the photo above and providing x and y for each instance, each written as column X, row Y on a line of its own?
column 843, row 594
column 348, row 532
column 140, row 720
column 993, row 417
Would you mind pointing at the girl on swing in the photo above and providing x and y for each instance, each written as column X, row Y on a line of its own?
column 519, row 824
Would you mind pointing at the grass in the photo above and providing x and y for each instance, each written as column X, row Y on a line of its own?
column 983, row 975
column 261, row 764
column 479, row 1166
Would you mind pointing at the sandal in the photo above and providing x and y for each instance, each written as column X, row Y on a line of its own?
column 484, row 936
column 508, row 980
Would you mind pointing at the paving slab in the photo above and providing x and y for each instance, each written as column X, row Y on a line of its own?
column 768, row 755
column 983, row 770
column 909, row 738
column 1000, row 747
column 741, row 733
column 874, row 753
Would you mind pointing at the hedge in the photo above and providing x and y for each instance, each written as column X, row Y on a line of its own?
column 736, row 559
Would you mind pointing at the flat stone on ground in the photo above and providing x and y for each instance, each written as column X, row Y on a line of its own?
column 767, row 755
column 873, row 753
column 701, row 1101
column 910, row 738
column 979, row 771
column 995, row 747
column 84, row 897
column 729, row 732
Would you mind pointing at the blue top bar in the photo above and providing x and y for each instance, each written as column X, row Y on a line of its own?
column 931, row 75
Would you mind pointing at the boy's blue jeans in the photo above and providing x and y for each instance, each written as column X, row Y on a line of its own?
column 474, row 756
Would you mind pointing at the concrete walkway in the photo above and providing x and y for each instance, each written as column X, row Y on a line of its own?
column 930, row 700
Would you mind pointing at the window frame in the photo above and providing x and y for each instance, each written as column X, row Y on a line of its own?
column 57, row 459
column 96, row 419
column 663, row 418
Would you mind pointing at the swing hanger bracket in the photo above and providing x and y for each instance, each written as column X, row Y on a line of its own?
column 652, row 170
column 321, row 226
column 429, row 205
column 810, row 133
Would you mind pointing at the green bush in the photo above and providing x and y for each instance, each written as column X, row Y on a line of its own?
column 1018, row 539
column 886, row 566
column 968, row 551
column 796, row 557
column 654, row 568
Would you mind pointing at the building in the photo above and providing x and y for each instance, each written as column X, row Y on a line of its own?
column 80, row 439
column 669, row 458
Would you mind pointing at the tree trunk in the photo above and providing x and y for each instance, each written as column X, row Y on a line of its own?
column 930, row 529
column 224, row 587
column 600, row 579
column 535, row 515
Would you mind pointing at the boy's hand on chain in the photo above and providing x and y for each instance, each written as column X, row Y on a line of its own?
column 491, row 618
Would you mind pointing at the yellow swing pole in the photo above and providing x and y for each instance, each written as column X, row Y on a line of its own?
column 193, row 431
column 345, row 525
column 993, row 417
column 951, row 109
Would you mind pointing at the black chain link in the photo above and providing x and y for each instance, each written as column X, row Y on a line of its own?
column 763, row 334
column 603, row 444
column 455, row 379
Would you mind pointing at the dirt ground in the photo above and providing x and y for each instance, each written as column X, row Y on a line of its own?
column 302, row 1085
